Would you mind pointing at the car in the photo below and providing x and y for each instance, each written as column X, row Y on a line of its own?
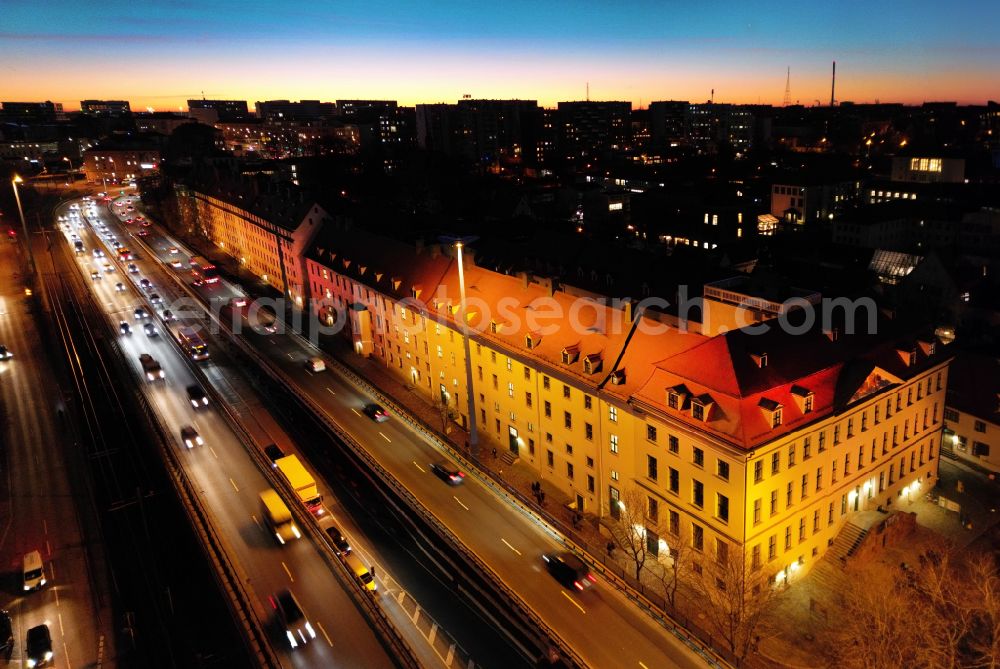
column 142, row 233
column 569, row 570
column 340, row 542
column 150, row 330
column 120, row 287
column 129, row 221
column 315, row 364
column 274, row 453
column 176, row 264
column 151, row 367
column 133, row 268
column 190, row 437
column 146, row 224
column 6, row 633
column 376, row 412
column 98, row 253
column 197, row 397
column 167, row 315
column 140, row 313
column 125, row 328
column 238, row 302
column 5, row 354
column 130, row 208
column 173, row 250
column 447, row 472
column 298, row 630
column 145, row 284
column 155, row 298
column 96, row 276
column 124, row 253
column 108, row 267
column 38, row 647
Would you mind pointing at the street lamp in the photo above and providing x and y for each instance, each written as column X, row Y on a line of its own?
column 469, row 391
column 24, row 226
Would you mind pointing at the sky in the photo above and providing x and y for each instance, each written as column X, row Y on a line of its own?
column 159, row 54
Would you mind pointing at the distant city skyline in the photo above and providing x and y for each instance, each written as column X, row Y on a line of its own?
column 159, row 55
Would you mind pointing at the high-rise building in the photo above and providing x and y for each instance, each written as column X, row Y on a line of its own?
column 668, row 123
column 33, row 111
column 106, row 108
column 304, row 110
column 586, row 129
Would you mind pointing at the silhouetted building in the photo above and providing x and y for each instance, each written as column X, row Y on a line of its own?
column 227, row 110
column 304, row 110
column 106, row 108
column 586, row 129
column 33, row 111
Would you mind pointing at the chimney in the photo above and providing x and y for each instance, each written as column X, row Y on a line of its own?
column 525, row 279
column 833, row 83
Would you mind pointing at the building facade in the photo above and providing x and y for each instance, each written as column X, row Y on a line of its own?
column 764, row 444
column 972, row 412
column 111, row 164
column 106, row 108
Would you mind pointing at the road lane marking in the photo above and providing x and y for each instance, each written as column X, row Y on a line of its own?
column 460, row 503
column 258, row 523
column 213, row 452
column 509, row 546
column 234, row 485
column 290, row 577
column 45, row 525
column 385, row 437
column 573, row 601
column 330, row 391
column 356, row 411
column 290, row 356
column 66, row 655
column 61, row 630
column 48, row 548
column 56, row 591
column 327, row 636
column 643, row 664
column 419, row 467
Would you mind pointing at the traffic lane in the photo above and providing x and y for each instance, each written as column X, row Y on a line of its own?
column 42, row 501
column 515, row 544
column 229, row 484
column 614, row 609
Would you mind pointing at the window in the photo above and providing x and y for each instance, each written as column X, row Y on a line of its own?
column 527, row 374
column 774, row 502
column 836, row 435
column 722, row 507
column 776, row 417
column 980, row 426
column 588, row 431
column 807, row 448
column 569, row 449
column 788, row 538
column 674, row 522
column 819, row 479
column 651, row 433
column 951, row 414
column 510, row 364
column 548, row 409
column 614, row 443
column 791, row 456
column 758, row 471
column 802, row 529
column 510, row 389
column 675, row 481
column 565, row 391
column 496, row 383
column 788, row 495
column 550, row 458
column 807, row 403
column 568, row 420
column 545, row 382
column 775, row 463
column 722, row 469
column 569, row 470
column 699, row 457
column 815, row 521
column 804, row 492
column 697, row 537
column 756, row 511
column 590, row 483
column 697, row 411
column 672, row 399
column 673, row 444
column 527, row 399
column 613, row 414
column 755, row 557
column 822, row 441
column 651, row 467
column 698, row 494
column 978, row 449
column 652, row 508
column 772, row 547
column 588, row 403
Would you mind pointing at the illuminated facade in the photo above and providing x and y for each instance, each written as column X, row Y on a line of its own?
column 765, row 443
column 118, row 165
column 972, row 414
column 269, row 243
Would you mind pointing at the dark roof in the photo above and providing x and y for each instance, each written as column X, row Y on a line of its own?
column 974, row 386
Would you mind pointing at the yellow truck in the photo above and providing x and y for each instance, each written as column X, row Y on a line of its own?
column 278, row 517
column 301, row 482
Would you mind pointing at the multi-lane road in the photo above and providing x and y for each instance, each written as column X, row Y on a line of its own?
column 601, row 624
column 45, row 505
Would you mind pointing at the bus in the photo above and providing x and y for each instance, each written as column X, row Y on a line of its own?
column 203, row 271
column 192, row 343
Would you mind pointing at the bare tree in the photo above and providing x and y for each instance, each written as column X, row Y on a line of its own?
column 635, row 527
column 672, row 569
column 737, row 597
column 984, row 639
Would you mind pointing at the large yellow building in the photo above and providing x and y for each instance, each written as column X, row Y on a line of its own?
column 764, row 443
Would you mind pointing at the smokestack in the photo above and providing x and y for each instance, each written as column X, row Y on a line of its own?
column 833, row 83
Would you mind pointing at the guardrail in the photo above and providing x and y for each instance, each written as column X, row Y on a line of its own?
column 400, row 650
column 227, row 572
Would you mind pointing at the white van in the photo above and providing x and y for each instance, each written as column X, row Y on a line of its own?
column 33, row 571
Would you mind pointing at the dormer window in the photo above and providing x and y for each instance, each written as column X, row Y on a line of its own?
column 529, row 342
column 673, row 399
column 803, row 398
column 618, row 377
column 592, row 364
column 833, row 334
column 494, row 327
column 570, row 354
column 701, row 407
column 772, row 411
column 415, row 292
column 677, row 396
column 760, row 359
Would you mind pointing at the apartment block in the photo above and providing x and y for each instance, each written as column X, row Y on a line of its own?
column 762, row 442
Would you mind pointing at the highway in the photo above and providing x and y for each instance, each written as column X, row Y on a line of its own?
column 229, row 481
column 509, row 541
